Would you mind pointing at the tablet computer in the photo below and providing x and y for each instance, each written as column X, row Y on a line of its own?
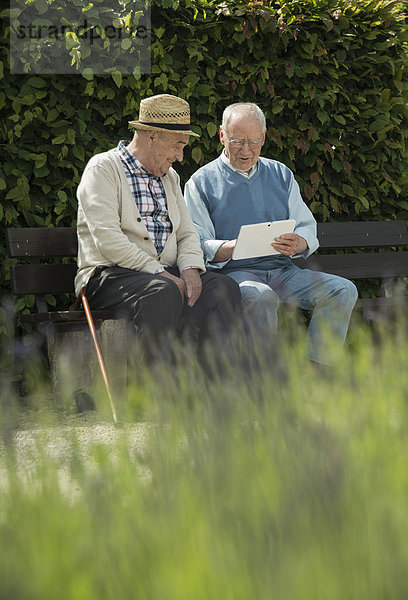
column 255, row 240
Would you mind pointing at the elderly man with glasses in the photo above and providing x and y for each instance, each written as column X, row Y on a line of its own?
column 242, row 188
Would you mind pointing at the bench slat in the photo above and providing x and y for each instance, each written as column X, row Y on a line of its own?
column 362, row 235
column 386, row 302
column 359, row 266
column 41, row 242
column 68, row 316
column 43, row 278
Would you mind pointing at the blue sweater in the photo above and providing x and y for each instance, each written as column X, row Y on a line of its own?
column 220, row 200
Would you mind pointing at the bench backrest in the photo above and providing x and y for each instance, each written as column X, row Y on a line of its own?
column 42, row 243
column 363, row 234
column 35, row 244
column 375, row 262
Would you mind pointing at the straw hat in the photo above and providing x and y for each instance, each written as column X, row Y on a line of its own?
column 164, row 113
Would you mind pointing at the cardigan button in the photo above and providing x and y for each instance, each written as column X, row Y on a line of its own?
column 139, row 219
column 146, row 238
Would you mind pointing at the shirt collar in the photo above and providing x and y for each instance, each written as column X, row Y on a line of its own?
column 130, row 161
column 226, row 161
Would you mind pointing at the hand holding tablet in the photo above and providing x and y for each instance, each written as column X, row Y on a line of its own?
column 255, row 240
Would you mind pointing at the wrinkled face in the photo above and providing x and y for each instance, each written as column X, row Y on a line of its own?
column 242, row 140
column 165, row 149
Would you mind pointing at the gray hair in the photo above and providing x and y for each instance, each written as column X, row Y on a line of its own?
column 249, row 107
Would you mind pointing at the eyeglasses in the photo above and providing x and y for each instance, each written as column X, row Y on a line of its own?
column 240, row 143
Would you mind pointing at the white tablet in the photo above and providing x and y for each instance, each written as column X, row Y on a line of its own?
column 255, row 240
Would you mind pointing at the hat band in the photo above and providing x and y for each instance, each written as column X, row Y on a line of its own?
column 167, row 125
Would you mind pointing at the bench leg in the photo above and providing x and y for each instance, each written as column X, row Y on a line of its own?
column 73, row 363
column 72, row 368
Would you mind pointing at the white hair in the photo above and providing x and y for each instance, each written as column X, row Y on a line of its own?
column 248, row 107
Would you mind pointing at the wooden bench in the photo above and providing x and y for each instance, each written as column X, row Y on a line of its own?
column 371, row 257
column 366, row 254
column 43, row 269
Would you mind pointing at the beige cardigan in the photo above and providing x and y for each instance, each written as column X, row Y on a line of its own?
column 110, row 229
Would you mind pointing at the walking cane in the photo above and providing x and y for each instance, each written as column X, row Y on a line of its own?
column 98, row 350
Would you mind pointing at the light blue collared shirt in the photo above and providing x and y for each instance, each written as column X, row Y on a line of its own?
column 252, row 172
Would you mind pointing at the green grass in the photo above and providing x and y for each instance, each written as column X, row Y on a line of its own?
column 283, row 484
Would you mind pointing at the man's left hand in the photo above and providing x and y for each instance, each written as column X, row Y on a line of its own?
column 290, row 243
column 192, row 279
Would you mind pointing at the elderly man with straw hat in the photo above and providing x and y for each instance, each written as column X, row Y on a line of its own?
column 138, row 248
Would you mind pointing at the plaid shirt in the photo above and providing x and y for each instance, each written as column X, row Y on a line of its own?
column 150, row 197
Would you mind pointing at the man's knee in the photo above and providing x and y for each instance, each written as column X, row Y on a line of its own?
column 347, row 291
column 352, row 292
column 223, row 289
column 255, row 293
column 230, row 291
column 336, row 292
column 164, row 292
column 159, row 307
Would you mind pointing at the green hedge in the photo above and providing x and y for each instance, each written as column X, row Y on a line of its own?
column 331, row 76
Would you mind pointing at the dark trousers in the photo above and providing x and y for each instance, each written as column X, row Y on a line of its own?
column 155, row 305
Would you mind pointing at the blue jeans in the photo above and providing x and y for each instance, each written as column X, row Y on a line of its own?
column 330, row 298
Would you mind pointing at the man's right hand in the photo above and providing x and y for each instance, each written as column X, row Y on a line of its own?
column 224, row 252
column 177, row 280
